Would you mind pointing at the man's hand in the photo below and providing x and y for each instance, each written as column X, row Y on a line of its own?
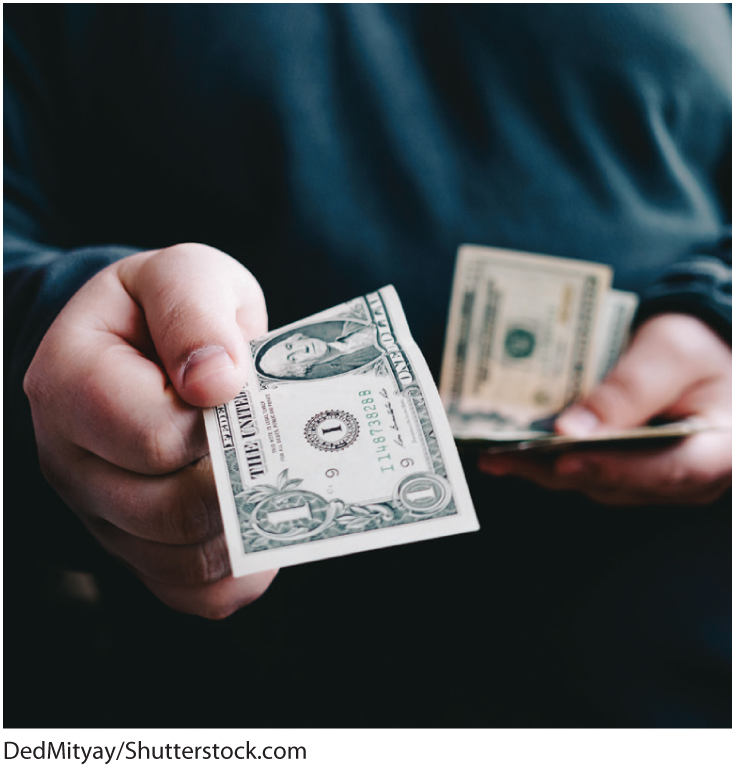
column 675, row 367
column 115, row 390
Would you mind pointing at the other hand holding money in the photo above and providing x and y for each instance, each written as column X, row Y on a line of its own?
column 677, row 368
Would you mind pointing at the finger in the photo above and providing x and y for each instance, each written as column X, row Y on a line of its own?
column 640, row 386
column 595, row 486
column 178, row 508
column 661, row 364
column 175, row 565
column 214, row 601
column 695, row 468
column 133, row 418
column 201, row 307
column 91, row 385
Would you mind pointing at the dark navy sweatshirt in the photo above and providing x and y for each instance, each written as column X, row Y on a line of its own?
column 334, row 149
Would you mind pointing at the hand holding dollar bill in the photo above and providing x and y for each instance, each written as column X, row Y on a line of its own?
column 338, row 443
column 528, row 335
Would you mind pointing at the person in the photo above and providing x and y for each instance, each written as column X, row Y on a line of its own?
column 329, row 350
column 171, row 169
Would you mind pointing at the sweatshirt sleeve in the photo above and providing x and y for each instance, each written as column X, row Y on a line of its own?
column 44, row 260
column 700, row 285
column 44, row 263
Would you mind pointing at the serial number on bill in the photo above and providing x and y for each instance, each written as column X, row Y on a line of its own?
column 376, row 432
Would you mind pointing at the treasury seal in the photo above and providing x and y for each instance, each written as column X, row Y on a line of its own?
column 331, row 430
column 519, row 343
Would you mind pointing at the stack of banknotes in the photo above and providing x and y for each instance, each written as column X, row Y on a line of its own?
column 340, row 441
column 527, row 335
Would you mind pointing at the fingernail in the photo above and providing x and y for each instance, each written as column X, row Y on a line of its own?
column 577, row 421
column 204, row 362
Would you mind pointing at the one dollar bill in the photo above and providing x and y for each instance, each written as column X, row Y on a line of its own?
column 338, row 443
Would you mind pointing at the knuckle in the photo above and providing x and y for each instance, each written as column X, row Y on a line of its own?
column 31, row 384
column 162, row 448
column 684, row 334
column 41, row 379
column 176, row 312
column 38, row 383
column 690, row 340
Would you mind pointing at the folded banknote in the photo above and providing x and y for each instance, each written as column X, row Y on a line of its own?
column 338, row 442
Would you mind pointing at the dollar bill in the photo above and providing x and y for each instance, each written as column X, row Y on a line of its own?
column 613, row 329
column 527, row 335
column 338, row 443
column 520, row 341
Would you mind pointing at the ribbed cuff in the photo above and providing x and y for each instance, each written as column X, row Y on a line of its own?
column 701, row 287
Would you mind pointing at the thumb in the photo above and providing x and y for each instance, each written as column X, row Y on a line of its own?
column 647, row 380
column 201, row 307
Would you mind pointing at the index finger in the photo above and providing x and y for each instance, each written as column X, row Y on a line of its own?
column 95, row 386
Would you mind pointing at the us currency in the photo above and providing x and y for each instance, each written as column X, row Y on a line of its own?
column 520, row 341
column 526, row 336
column 612, row 332
column 338, row 443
